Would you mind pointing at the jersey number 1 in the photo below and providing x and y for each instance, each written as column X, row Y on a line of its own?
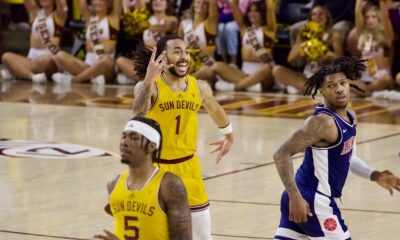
column 128, row 227
column 178, row 124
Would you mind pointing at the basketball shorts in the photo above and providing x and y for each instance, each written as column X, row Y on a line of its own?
column 326, row 222
column 190, row 173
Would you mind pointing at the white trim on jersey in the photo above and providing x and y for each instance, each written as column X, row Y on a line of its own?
column 288, row 233
column 321, row 171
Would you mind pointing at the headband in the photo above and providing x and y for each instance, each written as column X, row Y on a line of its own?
column 146, row 130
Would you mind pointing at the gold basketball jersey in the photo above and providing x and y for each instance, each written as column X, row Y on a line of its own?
column 137, row 213
column 176, row 112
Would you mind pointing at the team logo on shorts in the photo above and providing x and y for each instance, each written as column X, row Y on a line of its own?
column 41, row 149
column 330, row 224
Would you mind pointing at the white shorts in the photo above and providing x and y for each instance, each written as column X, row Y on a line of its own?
column 249, row 68
column 36, row 53
column 91, row 58
column 366, row 77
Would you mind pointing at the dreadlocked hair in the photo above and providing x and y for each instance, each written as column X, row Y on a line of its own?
column 157, row 153
column 351, row 67
column 142, row 55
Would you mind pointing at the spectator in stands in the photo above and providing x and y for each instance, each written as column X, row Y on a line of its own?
column 199, row 30
column 342, row 13
column 48, row 19
column 102, row 26
column 227, row 36
column 257, row 31
column 161, row 22
column 315, row 42
column 375, row 39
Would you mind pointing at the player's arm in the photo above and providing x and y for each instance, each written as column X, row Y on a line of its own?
column 110, row 187
column 316, row 129
column 385, row 179
column 145, row 91
column 174, row 198
column 218, row 115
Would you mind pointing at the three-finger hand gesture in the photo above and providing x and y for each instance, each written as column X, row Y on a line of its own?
column 156, row 65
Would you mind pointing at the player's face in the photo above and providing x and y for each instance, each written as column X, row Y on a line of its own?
column 131, row 148
column 336, row 90
column 159, row 5
column 371, row 19
column 178, row 55
column 254, row 15
column 318, row 15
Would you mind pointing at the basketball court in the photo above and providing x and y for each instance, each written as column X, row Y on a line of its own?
column 59, row 146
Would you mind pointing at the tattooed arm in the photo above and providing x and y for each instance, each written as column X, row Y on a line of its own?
column 318, row 130
column 174, row 200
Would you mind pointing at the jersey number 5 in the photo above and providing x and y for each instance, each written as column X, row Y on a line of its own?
column 128, row 226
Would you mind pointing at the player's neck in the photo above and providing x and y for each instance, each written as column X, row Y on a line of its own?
column 341, row 111
column 172, row 79
column 139, row 176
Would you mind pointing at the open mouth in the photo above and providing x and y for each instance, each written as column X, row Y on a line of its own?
column 182, row 66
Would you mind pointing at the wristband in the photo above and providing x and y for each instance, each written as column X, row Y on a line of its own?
column 227, row 130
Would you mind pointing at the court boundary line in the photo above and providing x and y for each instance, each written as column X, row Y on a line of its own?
column 41, row 235
column 277, row 204
column 295, row 157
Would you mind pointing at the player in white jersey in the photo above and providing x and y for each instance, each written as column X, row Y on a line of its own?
column 328, row 138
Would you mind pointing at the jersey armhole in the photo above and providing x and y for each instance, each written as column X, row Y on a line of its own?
column 157, row 97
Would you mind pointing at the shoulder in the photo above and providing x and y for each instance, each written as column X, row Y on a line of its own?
column 319, row 123
column 111, row 184
column 205, row 88
column 172, row 188
column 353, row 114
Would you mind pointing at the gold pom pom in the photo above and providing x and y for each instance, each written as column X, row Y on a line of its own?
column 136, row 21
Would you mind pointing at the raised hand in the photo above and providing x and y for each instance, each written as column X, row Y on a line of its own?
column 156, row 66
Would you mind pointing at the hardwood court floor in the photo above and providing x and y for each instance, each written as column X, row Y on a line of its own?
column 59, row 191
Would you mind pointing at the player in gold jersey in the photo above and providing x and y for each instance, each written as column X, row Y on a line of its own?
column 146, row 202
column 170, row 96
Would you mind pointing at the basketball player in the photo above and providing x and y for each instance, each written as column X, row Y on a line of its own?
column 146, row 201
column 328, row 138
column 172, row 97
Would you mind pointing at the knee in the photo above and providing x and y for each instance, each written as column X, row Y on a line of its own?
column 276, row 70
column 121, row 61
column 60, row 55
column 6, row 57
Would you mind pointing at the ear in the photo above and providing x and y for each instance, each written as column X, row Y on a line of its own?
column 321, row 90
column 152, row 147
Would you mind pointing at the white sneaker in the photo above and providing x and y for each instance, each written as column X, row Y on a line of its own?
column 62, row 78
column 39, row 78
column 380, row 94
column 124, row 80
column 6, row 75
column 255, row 88
column 292, row 90
column 225, row 86
column 99, row 80
column 394, row 95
